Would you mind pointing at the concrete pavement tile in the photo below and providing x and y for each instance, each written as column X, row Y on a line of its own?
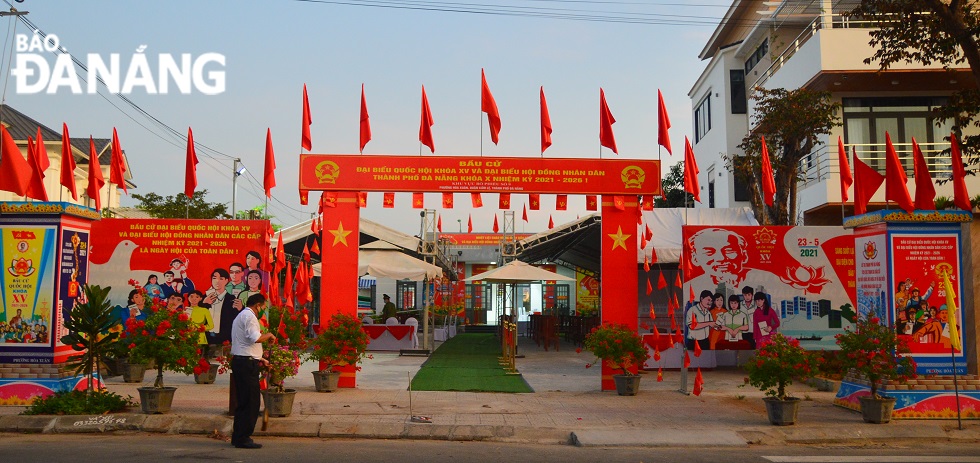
column 98, row 423
column 379, row 430
column 195, row 424
column 160, row 423
column 290, row 428
column 893, row 431
column 26, row 423
column 656, row 438
column 334, row 429
column 427, row 431
column 469, row 432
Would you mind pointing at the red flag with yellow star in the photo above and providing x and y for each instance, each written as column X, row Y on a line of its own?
column 389, row 200
column 561, row 203
column 418, row 200
column 362, row 199
column 551, row 222
column 619, row 202
column 525, row 213
column 476, row 199
column 439, row 224
column 660, row 374
column 447, row 200
column 535, row 200
column 469, row 224
column 496, row 227
column 503, row 202
column 591, row 203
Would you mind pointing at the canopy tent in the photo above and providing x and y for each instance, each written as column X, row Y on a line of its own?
column 518, row 272
column 391, row 264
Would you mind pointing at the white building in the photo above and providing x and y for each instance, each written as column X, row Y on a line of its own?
column 811, row 43
column 20, row 126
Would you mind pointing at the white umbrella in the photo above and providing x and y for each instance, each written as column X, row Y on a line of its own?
column 516, row 272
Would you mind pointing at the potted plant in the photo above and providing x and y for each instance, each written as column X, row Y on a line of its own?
column 777, row 364
column 169, row 338
column 340, row 342
column 283, row 356
column 620, row 347
column 873, row 349
column 90, row 331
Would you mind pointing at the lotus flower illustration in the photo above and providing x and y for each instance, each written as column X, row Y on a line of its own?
column 804, row 277
column 21, row 267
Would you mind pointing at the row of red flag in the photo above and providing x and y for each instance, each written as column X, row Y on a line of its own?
column 488, row 105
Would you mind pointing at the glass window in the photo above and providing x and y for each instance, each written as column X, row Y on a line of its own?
column 702, row 118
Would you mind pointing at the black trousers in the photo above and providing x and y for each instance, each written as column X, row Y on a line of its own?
column 246, row 377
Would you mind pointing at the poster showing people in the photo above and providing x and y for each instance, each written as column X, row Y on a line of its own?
column 743, row 284
column 26, row 290
column 73, row 250
column 586, row 294
column 176, row 257
column 920, row 308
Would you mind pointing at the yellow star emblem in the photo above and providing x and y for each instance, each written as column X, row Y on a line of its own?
column 619, row 239
column 340, row 235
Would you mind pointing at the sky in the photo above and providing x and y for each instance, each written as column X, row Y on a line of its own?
column 272, row 48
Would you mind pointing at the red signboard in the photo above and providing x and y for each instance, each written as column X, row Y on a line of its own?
column 339, row 172
column 478, row 239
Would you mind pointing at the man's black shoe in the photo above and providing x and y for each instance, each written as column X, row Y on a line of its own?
column 249, row 445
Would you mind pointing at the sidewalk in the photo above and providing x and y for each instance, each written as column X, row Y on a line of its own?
column 566, row 407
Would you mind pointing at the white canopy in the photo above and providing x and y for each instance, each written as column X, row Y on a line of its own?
column 516, row 272
column 381, row 232
column 666, row 227
column 391, row 264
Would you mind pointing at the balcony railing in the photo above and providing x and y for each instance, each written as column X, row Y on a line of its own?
column 823, row 164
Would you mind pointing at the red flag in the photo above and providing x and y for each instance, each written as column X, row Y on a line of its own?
column 95, row 178
column 307, row 140
column 117, row 168
column 269, row 178
column 663, row 138
column 687, row 356
column 648, row 203
column 35, row 188
column 551, row 222
column 425, row 126
column 653, row 254
column 365, row 122
column 418, row 200
column 476, row 199
column 698, row 383
column 503, row 201
column 447, row 200
column 866, row 183
column 768, row 180
column 389, row 200
column 303, row 295
column 925, row 191
column 280, row 253
column 606, row 120
column 282, row 325
column 306, row 252
column 693, row 299
column 329, row 198
column 535, row 199
column 895, row 178
column 362, row 199
column 649, row 287
column 591, row 203
column 496, row 227
column 274, row 298
column 304, row 197
column 961, row 198
column 15, row 171
column 648, row 233
column 697, row 349
column 545, row 124
column 845, row 170
column 439, row 224
column 42, row 153
column 67, row 163
column 561, row 203
column 646, row 263
column 662, row 282
column 653, row 315
column 315, row 249
column 691, row 171
column 660, row 373
column 525, row 212
column 469, row 224
column 190, row 166
column 619, row 202
column 489, row 106
column 287, row 288
column 313, row 226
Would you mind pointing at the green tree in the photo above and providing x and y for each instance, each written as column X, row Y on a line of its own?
column 673, row 189
column 178, row 207
column 931, row 31
column 792, row 122
column 88, row 328
column 257, row 213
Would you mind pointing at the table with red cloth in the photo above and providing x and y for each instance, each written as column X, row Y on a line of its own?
column 390, row 337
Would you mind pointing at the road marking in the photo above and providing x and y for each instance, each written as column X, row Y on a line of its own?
column 871, row 459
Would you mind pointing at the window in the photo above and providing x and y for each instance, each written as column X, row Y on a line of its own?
column 757, row 55
column 405, row 295
column 736, row 82
column 711, row 194
column 702, row 118
column 866, row 120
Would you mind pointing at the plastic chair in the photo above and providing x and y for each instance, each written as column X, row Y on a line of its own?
column 415, row 337
column 392, row 321
column 367, row 320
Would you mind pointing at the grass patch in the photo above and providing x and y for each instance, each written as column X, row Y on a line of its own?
column 467, row 362
column 78, row 403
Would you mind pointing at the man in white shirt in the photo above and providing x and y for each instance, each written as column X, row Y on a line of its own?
column 246, row 360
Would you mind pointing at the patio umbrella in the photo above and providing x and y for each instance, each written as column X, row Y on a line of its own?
column 518, row 272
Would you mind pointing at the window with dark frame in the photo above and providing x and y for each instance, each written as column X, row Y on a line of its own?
column 702, row 118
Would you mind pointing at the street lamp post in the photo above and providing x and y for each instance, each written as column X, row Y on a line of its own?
column 235, row 173
column 460, row 222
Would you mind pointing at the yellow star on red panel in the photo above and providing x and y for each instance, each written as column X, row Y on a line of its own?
column 340, row 235
column 619, row 239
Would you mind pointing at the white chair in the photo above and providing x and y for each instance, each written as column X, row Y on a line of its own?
column 367, row 320
column 392, row 321
column 415, row 338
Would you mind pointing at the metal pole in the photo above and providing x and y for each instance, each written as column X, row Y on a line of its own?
column 956, row 387
column 234, row 186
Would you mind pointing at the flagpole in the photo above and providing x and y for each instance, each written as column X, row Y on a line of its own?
column 481, row 134
column 683, row 385
column 956, row 387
